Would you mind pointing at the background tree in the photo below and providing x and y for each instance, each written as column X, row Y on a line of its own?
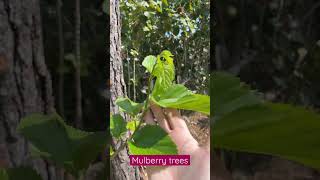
column 29, row 44
column 120, row 168
column 61, row 59
column 77, row 74
column 25, row 82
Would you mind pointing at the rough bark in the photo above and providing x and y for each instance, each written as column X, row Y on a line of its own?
column 25, row 83
column 120, row 168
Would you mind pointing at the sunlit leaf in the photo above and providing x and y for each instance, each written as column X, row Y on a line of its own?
column 165, row 2
column 164, row 72
column 179, row 97
column 149, row 63
column 132, row 125
column 111, row 151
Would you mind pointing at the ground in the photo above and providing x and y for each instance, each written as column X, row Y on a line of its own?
column 199, row 126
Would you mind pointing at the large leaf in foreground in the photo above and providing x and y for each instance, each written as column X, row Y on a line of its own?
column 245, row 123
column 152, row 140
column 20, row 173
column 229, row 94
column 51, row 138
column 179, row 97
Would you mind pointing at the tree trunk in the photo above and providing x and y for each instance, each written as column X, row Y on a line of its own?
column 25, row 83
column 120, row 168
column 61, row 60
column 78, row 91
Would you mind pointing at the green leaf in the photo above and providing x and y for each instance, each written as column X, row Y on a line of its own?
column 248, row 124
column 88, row 148
column 165, row 2
column 174, row 93
column 179, row 97
column 105, row 6
column 147, row 13
column 190, row 6
column 111, row 151
column 128, row 106
column 151, row 140
column 164, row 71
column 149, row 63
column 167, row 55
column 68, row 147
column 161, row 67
column 274, row 129
column 146, row 29
column 229, row 94
column 131, row 125
column 117, row 125
column 48, row 134
column 3, row 174
column 20, row 173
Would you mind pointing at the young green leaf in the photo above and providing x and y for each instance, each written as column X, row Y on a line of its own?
column 161, row 67
column 117, row 125
column 165, row 2
column 164, row 72
column 132, row 125
column 128, row 106
column 149, row 63
column 151, row 140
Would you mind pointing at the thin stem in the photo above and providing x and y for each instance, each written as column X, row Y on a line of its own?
column 145, row 109
column 134, row 79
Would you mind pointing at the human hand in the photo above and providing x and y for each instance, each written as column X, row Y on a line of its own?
column 171, row 121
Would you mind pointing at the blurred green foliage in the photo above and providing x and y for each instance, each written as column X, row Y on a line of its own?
column 181, row 26
column 273, row 44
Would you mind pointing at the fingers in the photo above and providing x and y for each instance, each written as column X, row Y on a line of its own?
column 148, row 118
column 180, row 133
column 171, row 121
column 207, row 145
column 161, row 118
column 174, row 119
